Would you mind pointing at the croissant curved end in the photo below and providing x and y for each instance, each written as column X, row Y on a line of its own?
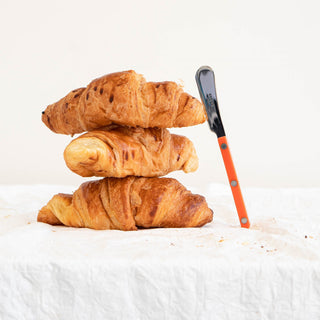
column 81, row 155
column 191, row 164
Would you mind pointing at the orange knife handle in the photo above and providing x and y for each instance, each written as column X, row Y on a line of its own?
column 234, row 182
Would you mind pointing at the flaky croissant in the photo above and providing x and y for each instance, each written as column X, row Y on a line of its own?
column 124, row 98
column 126, row 204
column 118, row 151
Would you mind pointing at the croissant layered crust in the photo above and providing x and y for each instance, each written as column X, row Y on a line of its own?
column 122, row 151
column 124, row 98
column 126, row 204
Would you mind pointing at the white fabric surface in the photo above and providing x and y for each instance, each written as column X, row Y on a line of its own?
column 220, row 271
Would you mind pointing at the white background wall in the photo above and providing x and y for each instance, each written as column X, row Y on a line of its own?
column 265, row 55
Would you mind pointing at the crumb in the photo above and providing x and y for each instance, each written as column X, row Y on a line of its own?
column 221, row 240
column 305, row 237
column 29, row 222
column 262, row 246
column 171, row 244
column 53, row 230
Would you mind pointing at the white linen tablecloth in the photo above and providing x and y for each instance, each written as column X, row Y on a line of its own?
column 220, row 271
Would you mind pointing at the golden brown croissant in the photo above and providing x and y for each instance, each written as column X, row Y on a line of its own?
column 124, row 98
column 118, row 151
column 128, row 203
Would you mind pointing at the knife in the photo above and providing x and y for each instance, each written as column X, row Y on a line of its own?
column 206, row 85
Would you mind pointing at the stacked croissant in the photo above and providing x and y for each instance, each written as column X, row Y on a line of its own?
column 128, row 144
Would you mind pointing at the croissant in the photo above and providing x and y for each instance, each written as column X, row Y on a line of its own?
column 118, row 151
column 124, row 98
column 128, row 203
